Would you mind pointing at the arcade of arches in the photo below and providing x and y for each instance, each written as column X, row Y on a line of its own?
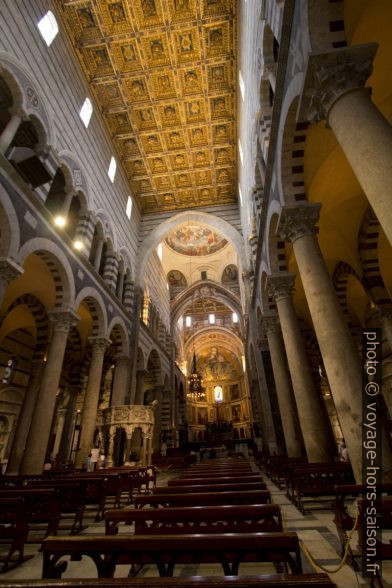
column 246, row 233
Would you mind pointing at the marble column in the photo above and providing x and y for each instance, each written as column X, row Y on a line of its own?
column 67, row 203
column 69, row 424
column 38, row 437
column 121, row 380
column 91, row 398
column 333, row 89
column 340, row 358
column 98, row 255
column 310, row 412
column 25, row 416
column 9, row 270
column 61, row 413
column 156, row 440
column 149, row 450
column 287, row 406
column 112, row 434
column 10, row 131
column 143, row 457
column 140, row 375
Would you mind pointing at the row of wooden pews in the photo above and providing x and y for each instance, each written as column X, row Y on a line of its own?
column 216, row 526
column 314, row 482
column 331, row 486
column 33, row 507
column 344, row 520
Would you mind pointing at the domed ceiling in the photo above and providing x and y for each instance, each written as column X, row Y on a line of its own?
column 163, row 73
column 195, row 240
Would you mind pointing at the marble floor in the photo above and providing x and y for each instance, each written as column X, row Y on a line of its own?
column 316, row 530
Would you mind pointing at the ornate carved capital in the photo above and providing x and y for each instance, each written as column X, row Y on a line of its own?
column 99, row 344
column 330, row 75
column 63, row 320
column 280, row 286
column 9, row 270
column 298, row 220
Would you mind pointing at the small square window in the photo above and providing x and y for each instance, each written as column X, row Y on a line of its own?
column 211, row 319
column 112, row 169
column 129, row 208
column 188, row 321
column 203, row 275
column 86, row 112
column 48, row 27
column 235, row 317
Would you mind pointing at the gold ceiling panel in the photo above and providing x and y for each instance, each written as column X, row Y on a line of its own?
column 163, row 73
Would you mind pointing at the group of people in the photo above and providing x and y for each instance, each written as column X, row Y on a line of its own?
column 96, row 460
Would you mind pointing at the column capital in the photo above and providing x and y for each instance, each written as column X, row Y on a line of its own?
column 281, row 285
column 121, row 359
column 270, row 323
column 63, row 320
column 9, row 270
column 298, row 220
column 99, row 344
column 330, row 75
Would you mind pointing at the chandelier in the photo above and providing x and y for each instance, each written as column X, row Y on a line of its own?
column 195, row 382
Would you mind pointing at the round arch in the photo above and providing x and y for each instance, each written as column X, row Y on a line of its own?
column 219, row 292
column 235, row 343
column 9, row 226
column 24, row 91
column 76, row 177
column 58, row 265
column 154, row 367
column 118, row 326
column 96, row 306
column 160, row 231
column 286, row 145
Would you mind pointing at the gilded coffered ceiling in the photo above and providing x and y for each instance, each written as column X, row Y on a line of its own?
column 164, row 75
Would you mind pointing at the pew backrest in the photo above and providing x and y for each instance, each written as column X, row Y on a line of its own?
column 196, row 519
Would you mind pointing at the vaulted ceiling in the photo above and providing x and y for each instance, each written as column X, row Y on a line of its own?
column 163, row 73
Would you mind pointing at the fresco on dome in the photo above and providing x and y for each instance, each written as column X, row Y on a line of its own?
column 195, row 240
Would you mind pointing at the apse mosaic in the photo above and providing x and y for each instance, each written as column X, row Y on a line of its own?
column 195, row 240
column 163, row 75
column 218, row 364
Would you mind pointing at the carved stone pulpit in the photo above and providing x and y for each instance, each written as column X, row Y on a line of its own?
column 128, row 417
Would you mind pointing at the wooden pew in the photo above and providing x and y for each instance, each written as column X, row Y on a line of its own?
column 384, row 550
column 317, row 480
column 209, row 488
column 70, row 499
column 197, row 519
column 92, row 490
column 166, row 551
column 42, row 510
column 184, row 481
column 278, row 468
column 13, row 530
column 267, row 580
column 218, row 473
column 204, row 499
column 342, row 518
